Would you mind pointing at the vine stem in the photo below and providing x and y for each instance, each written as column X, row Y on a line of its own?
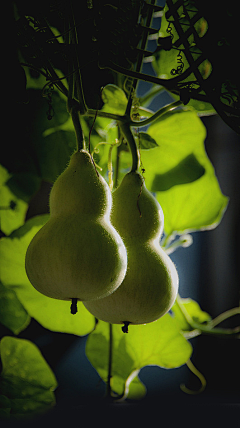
column 206, row 329
column 156, row 115
column 77, row 75
column 126, row 131
column 199, row 375
column 224, row 316
column 81, row 145
column 125, row 119
column 146, row 98
column 140, row 58
column 109, row 389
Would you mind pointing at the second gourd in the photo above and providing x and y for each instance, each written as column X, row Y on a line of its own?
column 150, row 286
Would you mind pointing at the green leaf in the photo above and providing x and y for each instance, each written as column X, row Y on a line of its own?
column 5, row 407
column 12, row 313
column 12, row 209
column 146, row 142
column 53, row 149
column 41, row 153
column 23, row 185
column 52, row 314
column 54, row 153
column 66, row 126
column 195, row 205
column 159, row 343
column 186, row 171
column 26, row 379
column 193, row 309
column 115, row 100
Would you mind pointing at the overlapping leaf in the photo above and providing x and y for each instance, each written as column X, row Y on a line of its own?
column 194, row 311
column 52, row 314
column 159, row 343
column 27, row 382
column 194, row 204
column 13, row 315
column 12, row 208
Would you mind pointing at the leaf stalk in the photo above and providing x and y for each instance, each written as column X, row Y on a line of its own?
column 109, row 389
column 127, row 133
column 207, row 329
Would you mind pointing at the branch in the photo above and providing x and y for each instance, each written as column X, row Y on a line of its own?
column 141, row 54
column 92, row 113
column 109, row 389
column 156, row 115
column 81, row 145
column 225, row 315
column 126, row 131
column 167, row 83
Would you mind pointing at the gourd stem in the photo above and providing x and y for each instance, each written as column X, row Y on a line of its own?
column 73, row 306
column 126, row 131
column 117, row 162
column 77, row 75
column 125, row 326
column 81, row 145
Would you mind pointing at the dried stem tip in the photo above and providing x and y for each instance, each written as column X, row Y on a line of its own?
column 125, row 326
column 73, row 307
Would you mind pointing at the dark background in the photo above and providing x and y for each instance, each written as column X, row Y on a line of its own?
column 209, row 273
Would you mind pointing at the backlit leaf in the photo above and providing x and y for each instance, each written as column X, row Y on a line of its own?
column 114, row 99
column 51, row 313
column 12, row 209
column 146, row 142
column 12, row 313
column 193, row 205
column 159, row 343
column 27, row 382
column 193, row 309
column 187, row 171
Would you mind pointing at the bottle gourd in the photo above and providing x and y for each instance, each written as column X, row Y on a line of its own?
column 150, row 286
column 77, row 254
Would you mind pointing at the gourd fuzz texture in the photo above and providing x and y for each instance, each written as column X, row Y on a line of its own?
column 77, row 254
column 150, row 286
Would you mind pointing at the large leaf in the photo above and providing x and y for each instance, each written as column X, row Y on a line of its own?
column 52, row 149
column 12, row 208
column 186, row 171
column 27, row 382
column 159, row 343
column 12, row 313
column 198, row 204
column 41, row 153
column 52, row 314
column 23, row 185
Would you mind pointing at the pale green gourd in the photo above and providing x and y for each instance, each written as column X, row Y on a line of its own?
column 150, row 286
column 77, row 254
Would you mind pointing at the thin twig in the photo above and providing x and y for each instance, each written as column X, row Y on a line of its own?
column 224, row 316
column 140, row 59
column 109, row 389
